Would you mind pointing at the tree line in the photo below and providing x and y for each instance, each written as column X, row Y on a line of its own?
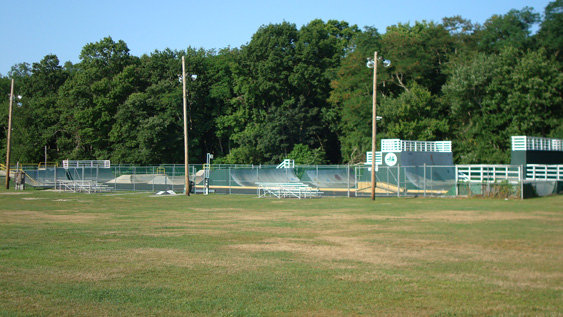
column 302, row 93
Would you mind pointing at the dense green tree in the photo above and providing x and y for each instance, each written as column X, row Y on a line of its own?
column 463, row 33
column 512, row 29
column 90, row 98
column 107, row 57
column 417, row 53
column 550, row 34
column 261, row 86
column 298, row 92
column 302, row 154
column 414, row 115
column 221, row 93
column 282, row 81
column 148, row 126
column 37, row 119
column 493, row 97
column 352, row 108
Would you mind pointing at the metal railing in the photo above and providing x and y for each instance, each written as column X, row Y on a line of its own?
column 86, row 163
column 530, row 143
column 397, row 145
column 287, row 163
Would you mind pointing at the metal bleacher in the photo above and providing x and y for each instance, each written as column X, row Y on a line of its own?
column 76, row 182
column 287, row 190
column 83, row 186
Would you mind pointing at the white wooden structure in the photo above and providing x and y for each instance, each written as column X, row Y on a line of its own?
column 531, row 143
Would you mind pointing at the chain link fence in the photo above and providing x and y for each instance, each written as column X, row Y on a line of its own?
column 332, row 180
column 501, row 181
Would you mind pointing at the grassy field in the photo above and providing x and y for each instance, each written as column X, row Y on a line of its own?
column 135, row 254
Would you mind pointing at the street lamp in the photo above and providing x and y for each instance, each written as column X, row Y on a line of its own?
column 8, row 145
column 186, row 165
column 372, row 63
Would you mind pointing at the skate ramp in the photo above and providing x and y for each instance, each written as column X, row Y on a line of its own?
column 329, row 178
column 162, row 179
column 198, row 178
column 249, row 177
column 123, row 179
column 156, row 179
column 440, row 169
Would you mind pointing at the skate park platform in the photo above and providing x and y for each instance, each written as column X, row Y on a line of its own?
column 424, row 164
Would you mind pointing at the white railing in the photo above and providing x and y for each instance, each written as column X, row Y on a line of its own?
column 510, row 173
column 83, row 186
column 287, row 190
column 544, row 172
column 378, row 159
column 488, row 173
column 530, row 143
column 397, row 145
column 86, row 163
column 287, row 163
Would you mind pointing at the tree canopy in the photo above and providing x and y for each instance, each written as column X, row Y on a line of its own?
column 301, row 93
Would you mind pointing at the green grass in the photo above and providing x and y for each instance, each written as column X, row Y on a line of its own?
column 133, row 254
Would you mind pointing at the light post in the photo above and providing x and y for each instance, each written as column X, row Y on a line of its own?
column 373, row 64
column 9, row 137
column 186, row 165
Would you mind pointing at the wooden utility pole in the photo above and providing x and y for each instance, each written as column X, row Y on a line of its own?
column 9, row 137
column 374, row 128
column 186, row 165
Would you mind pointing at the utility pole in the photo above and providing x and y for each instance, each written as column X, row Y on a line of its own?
column 186, row 165
column 374, row 128
column 9, row 137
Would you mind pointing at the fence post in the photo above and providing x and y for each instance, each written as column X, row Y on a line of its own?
column 521, row 168
column 173, row 176
column 355, row 181
column 348, row 178
column 398, row 180
column 456, row 180
column 424, row 179
column 388, row 182
column 432, row 178
column 134, row 174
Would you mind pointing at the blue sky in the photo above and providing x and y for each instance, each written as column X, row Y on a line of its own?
column 32, row 29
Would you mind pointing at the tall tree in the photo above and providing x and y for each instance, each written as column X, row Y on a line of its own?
column 351, row 96
column 415, row 114
column 550, row 34
column 512, row 29
column 90, row 98
column 418, row 53
column 38, row 118
column 282, row 82
column 493, row 97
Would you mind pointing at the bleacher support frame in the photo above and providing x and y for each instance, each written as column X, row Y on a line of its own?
column 287, row 190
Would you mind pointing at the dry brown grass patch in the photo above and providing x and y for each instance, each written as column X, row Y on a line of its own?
column 28, row 216
column 141, row 258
